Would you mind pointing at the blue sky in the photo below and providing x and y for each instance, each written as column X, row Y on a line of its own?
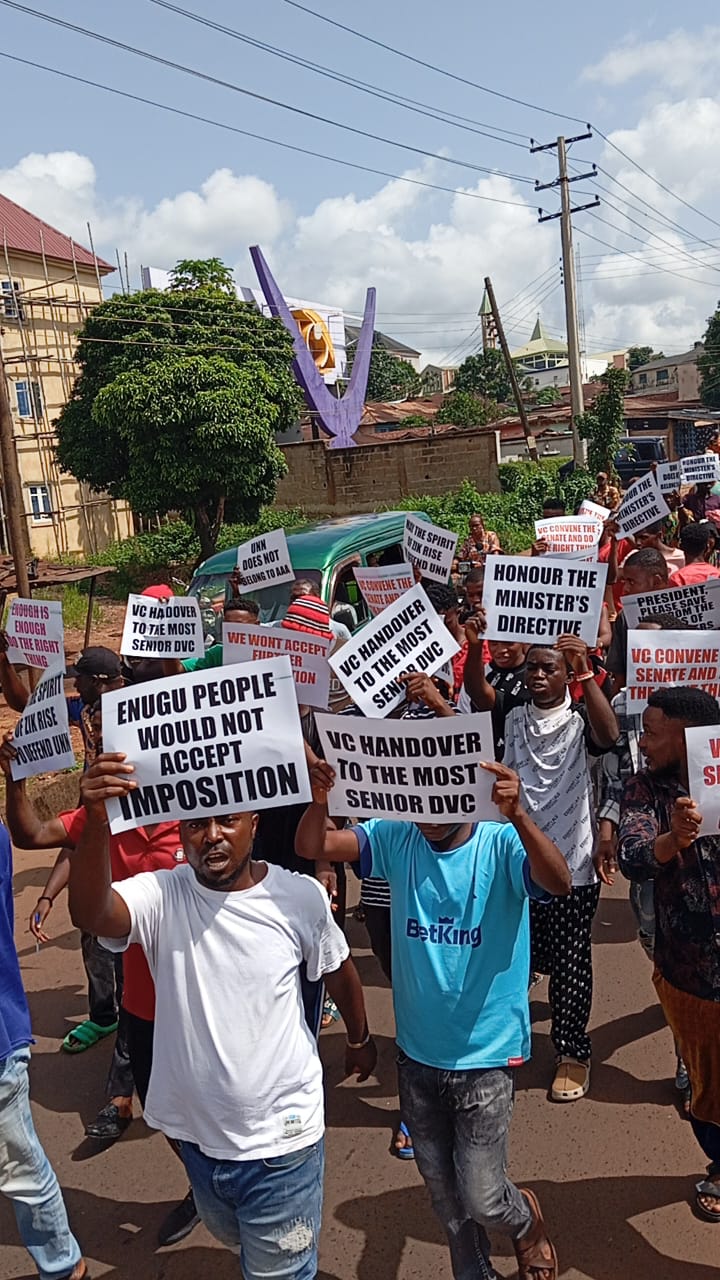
column 161, row 187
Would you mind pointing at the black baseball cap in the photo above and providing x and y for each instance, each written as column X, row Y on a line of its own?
column 97, row 662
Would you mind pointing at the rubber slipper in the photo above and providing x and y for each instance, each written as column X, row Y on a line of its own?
column 85, row 1035
column 408, row 1151
column 711, row 1191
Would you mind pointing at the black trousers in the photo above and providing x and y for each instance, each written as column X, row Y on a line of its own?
column 560, row 932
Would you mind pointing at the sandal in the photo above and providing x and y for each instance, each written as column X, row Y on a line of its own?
column 330, row 1013
column 537, row 1259
column 709, row 1189
column 85, row 1035
column 407, row 1150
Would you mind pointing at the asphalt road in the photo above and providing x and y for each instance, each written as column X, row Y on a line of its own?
column 615, row 1172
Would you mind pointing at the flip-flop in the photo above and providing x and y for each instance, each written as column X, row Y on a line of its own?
column 85, row 1035
column 408, row 1151
column 709, row 1190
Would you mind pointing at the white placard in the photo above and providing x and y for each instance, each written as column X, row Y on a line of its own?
column 698, row 603
column 703, row 758
column 169, row 628
column 588, row 508
column 658, row 659
column 308, row 656
column 227, row 740
column 417, row 770
column 265, row 561
column 569, row 533
column 407, row 636
column 530, row 598
column 701, row 468
column 383, row 585
column 669, row 476
column 428, row 547
column 42, row 734
column 35, row 633
column 642, row 505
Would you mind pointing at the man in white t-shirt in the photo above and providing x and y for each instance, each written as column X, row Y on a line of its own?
column 236, row 1079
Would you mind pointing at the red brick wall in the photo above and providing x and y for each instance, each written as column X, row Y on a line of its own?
column 345, row 481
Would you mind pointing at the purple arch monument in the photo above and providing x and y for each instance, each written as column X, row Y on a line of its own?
column 338, row 418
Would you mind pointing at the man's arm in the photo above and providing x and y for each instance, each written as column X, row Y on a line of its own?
column 16, row 695
column 94, row 905
column 420, row 688
column 476, row 685
column 548, row 868
column 344, row 987
column 601, row 717
column 28, row 831
column 316, row 838
column 643, row 849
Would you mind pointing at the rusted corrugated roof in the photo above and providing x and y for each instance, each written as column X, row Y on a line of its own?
column 25, row 233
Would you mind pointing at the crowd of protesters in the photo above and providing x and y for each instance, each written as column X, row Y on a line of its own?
column 174, row 916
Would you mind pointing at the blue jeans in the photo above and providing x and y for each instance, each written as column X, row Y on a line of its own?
column 267, row 1211
column 27, row 1179
column 459, row 1122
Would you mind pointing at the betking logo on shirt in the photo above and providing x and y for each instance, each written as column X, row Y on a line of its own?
column 443, row 934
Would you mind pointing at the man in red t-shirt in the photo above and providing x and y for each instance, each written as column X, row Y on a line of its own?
column 697, row 541
column 151, row 848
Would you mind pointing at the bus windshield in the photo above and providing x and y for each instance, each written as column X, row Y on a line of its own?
column 212, row 589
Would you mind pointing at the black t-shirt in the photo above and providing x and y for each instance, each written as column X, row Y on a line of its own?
column 616, row 661
column 508, row 684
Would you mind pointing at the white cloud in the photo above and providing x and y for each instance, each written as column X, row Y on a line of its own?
column 426, row 252
column 680, row 61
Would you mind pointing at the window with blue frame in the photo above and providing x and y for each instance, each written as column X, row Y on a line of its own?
column 11, row 305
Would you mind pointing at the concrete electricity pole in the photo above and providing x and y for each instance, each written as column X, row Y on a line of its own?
column 563, row 181
column 12, row 489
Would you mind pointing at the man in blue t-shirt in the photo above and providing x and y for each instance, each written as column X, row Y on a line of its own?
column 26, row 1177
column 461, row 960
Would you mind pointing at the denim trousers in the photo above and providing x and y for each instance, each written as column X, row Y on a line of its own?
column 27, row 1178
column 267, row 1211
column 459, row 1121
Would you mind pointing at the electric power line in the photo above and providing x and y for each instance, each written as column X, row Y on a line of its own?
column 258, row 97
column 373, row 90
column 430, row 66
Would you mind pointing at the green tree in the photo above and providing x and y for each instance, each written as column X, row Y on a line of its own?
column 202, row 273
column 603, row 426
column 548, row 395
column 178, row 400
column 485, row 374
column 463, row 409
column 709, row 364
column 642, row 355
column 388, row 377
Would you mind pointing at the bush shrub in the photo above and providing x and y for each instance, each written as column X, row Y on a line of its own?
column 512, row 513
column 173, row 550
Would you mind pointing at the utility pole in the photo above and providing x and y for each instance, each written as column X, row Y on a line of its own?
column 577, row 404
column 512, row 374
column 12, row 488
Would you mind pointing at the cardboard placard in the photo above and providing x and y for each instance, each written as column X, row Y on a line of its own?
column 308, row 656
column 588, row 508
column 42, row 734
column 383, row 585
column 531, row 598
column 642, row 505
column 657, row 659
column 226, row 740
column 569, row 533
column 35, row 633
column 163, row 628
column 669, row 476
column 429, row 547
column 698, row 603
column 701, row 468
column 411, row 770
column 703, row 757
column 265, row 561
column 408, row 635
